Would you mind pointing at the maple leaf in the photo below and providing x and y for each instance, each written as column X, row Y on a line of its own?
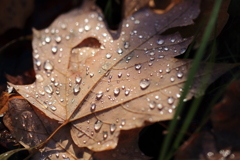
column 91, row 82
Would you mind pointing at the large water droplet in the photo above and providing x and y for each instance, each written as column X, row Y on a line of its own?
column 108, row 55
column 144, row 83
column 116, row 91
column 98, row 124
column 48, row 66
column 58, row 39
column 76, row 89
column 152, row 104
column 48, row 89
column 170, row 100
column 160, row 41
column 113, row 127
column 127, row 91
column 99, row 95
column 138, row 66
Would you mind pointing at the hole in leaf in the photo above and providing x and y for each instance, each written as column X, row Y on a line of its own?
column 89, row 42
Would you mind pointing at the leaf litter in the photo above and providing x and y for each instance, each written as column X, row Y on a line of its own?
column 92, row 82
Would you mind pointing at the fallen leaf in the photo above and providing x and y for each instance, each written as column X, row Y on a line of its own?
column 91, row 83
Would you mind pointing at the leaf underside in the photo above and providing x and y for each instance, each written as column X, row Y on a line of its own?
column 99, row 82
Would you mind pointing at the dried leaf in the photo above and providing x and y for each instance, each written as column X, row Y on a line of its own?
column 93, row 83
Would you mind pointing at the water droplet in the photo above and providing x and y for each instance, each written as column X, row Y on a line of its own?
column 105, row 134
column 58, row 39
column 76, row 89
column 179, row 74
column 172, row 40
column 172, row 79
column 152, row 104
column 182, row 50
column 108, row 55
column 47, row 39
column 39, row 77
column 126, row 45
column 99, row 95
column 48, row 66
column 160, row 41
column 48, row 89
column 127, row 91
column 98, row 124
column 87, row 28
column 138, row 66
column 170, row 100
column 116, row 91
column 119, row 74
column 160, row 106
column 119, row 51
column 53, row 108
column 38, row 62
column 166, row 48
column 123, row 122
column 144, row 83
column 168, row 70
column 93, row 106
column 78, row 80
column 54, row 49
column 113, row 127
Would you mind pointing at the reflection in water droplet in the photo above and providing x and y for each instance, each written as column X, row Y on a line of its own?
column 116, row 91
column 98, row 124
column 170, row 100
column 113, row 127
column 48, row 89
column 105, row 134
column 144, row 83
column 99, row 95
column 76, row 89
column 48, row 66
column 93, row 106
column 138, row 66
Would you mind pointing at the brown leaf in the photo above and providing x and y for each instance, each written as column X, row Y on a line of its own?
column 96, row 82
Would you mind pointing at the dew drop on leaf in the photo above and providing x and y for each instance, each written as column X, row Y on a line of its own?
column 78, row 80
column 119, row 51
column 138, row 66
column 127, row 91
column 160, row 41
column 108, row 55
column 113, row 127
column 54, row 49
column 179, row 74
column 105, row 134
column 116, row 91
column 93, row 106
column 152, row 104
column 144, row 83
column 76, row 89
column 47, row 39
column 48, row 89
column 98, row 124
column 99, row 95
column 58, row 39
column 170, row 100
column 48, row 66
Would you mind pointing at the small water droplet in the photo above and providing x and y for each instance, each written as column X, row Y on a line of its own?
column 93, row 106
column 182, row 50
column 54, row 49
column 108, row 55
column 87, row 28
column 38, row 63
column 105, row 134
column 78, row 80
column 119, row 74
column 168, row 70
column 113, row 127
column 116, row 91
column 160, row 106
column 76, row 89
column 152, row 104
column 127, row 91
column 172, row 79
column 160, row 41
column 47, row 39
column 138, row 66
column 58, row 39
column 48, row 66
column 170, row 100
column 39, row 77
column 166, row 48
column 144, row 83
column 123, row 122
column 98, row 124
column 48, row 89
column 119, row 51
column 179, row 74
column 53, row 108
column 126, row 45
column 99, row 95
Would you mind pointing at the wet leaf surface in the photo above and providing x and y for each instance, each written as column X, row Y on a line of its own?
column 91, row 82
